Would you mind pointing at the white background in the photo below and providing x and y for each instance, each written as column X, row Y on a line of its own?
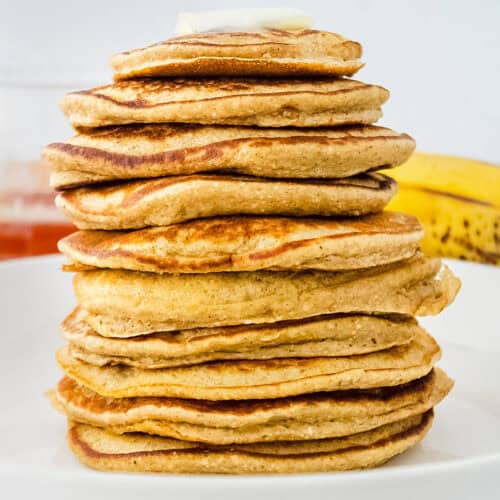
column 440, row 59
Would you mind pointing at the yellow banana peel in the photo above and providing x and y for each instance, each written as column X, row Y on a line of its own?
column 457, row 200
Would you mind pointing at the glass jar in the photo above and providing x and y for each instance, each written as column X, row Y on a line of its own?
column 30, row 224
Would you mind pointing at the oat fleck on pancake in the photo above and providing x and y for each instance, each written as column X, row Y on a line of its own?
column 268, row 53
column 258, row 102
column 147, row 151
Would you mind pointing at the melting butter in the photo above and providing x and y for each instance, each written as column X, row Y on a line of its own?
column 252, row 20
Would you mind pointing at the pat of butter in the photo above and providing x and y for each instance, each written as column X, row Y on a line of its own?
column 241, row 20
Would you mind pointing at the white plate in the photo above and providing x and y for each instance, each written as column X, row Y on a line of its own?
column 460, row 457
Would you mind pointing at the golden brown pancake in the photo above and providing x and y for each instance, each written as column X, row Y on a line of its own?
column 269, row 53
column 335, row 335
column 147, row 151
column 169, row 200
column 262, row 379
column 249, row 244
column 314, row 416
column 103, row 450
column 139, row 303
column 257, row 102
column 86, row 405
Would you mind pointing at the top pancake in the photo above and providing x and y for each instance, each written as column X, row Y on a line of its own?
column 264, row 103
column 271, row 53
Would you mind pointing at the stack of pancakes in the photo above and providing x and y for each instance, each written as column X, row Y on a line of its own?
column 244, row 304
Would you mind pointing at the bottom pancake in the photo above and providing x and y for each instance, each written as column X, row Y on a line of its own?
column 102, row 450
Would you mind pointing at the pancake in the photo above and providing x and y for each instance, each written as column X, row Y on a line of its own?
column 249, row 244
column 268, row 53
column 336, row 335
column 148, row 151
column 87, row 406
column 103, row 450
column 302, row 350
column 316, row 416
column 169, row 200
column 140, row 303
column 247, row 101
column 262, row 379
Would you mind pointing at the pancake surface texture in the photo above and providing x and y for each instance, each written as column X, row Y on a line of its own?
column 103, row 450
column 257, row 102
column 315, row 416
column 146, row 151
column 268, row 53
column 249, row 244
column 165, row 201
column 136, row 302
column 262, row 379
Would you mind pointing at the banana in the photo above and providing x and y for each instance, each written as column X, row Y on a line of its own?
column 451, row 174
column 457, row 201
